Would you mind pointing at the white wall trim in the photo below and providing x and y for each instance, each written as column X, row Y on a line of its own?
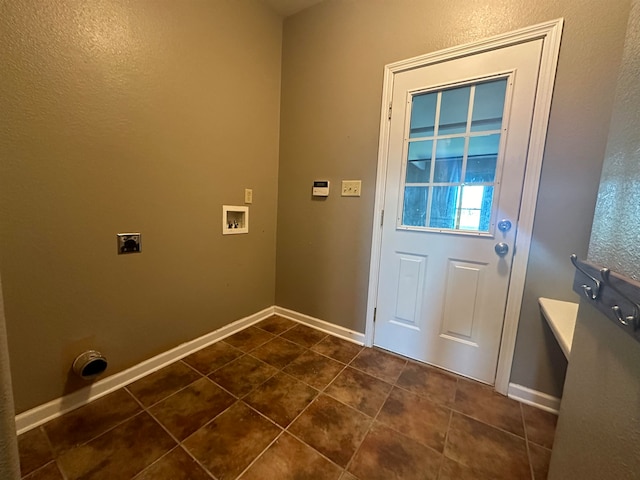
column 55, row 408
column 534, row 398
column 335, row 330
column 551, row 33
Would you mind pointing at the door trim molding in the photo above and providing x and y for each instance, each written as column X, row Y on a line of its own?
column 551, row 33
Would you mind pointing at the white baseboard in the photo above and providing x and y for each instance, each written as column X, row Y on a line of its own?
column 55, row 408
column 335, row 330
column 534, row 398
column 50, row 410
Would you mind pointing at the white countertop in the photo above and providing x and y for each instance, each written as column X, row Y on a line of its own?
column 561, row 317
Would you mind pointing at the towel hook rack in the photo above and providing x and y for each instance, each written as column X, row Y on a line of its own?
column 592, row 293
column 613, row 294
column 623, row 319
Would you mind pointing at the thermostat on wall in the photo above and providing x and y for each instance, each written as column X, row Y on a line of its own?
column 321, row 188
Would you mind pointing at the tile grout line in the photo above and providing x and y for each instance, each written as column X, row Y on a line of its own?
column 113, row 427
column 319, row 392
column 371, row 374
column 237, row 399
column 446, row 440
column 346, row 364
column 242, row 354
column 145, row 409
column 56, row 456
column 279, row 370
column 286, row 429
column 154, row 462
column 62, row 473
column 526, row 442
column 259, row 455
column 42, row 467
column 178, row 443
column 456, row 410
column 126, row 387
column 436, row 403
column 342, row 469
column 452, row 408
column 53, row 455
column 240, row 399
column 511, row 434
column 375, row 417
column 502, row 430
column 189, row 366
column 261, row 383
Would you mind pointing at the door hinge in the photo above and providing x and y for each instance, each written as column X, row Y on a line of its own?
column 375, row 311
column 381, row 217
column 390, row 108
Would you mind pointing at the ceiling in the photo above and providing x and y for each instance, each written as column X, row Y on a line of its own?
column 289, row 7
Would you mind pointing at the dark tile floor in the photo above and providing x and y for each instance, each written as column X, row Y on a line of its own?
column 284, row 401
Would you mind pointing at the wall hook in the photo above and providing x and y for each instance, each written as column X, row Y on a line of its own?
column 623, row 319
column 592, row 293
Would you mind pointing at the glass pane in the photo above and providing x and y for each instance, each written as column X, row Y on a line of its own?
column 443, row 207
column 488, row 106
column 423, row 115
column 419, row 161
column 482, row 158
column 449, row 153
column 485, row 214
column 462, row 199
column 475, row 208
column 414, row 212
column 471, row 208
column 453, row 111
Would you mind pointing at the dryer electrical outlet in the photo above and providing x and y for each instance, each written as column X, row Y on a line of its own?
column 129, row 243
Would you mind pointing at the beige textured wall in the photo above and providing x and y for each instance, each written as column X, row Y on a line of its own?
column 333, row 59
column 599, row 413
column 616, row 225
column 132, row 115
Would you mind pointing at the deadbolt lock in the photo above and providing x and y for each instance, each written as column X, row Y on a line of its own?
column 504, row 225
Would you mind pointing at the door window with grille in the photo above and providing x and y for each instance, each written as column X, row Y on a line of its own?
column 452, row 154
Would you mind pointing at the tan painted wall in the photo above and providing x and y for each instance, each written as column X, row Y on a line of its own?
column 147, row 116
column 333, row 59
column 128, row 115
column 603, row 378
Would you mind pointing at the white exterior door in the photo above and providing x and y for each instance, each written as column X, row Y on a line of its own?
column 458, row 142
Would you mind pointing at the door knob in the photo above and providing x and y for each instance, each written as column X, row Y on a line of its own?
column 501, row 249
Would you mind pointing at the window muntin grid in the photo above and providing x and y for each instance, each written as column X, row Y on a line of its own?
column 451, row 157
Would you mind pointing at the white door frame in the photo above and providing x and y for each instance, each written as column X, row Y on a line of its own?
column 551, row 33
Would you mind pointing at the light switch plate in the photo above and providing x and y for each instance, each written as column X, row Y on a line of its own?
column 351, row 188
column 248, row 195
